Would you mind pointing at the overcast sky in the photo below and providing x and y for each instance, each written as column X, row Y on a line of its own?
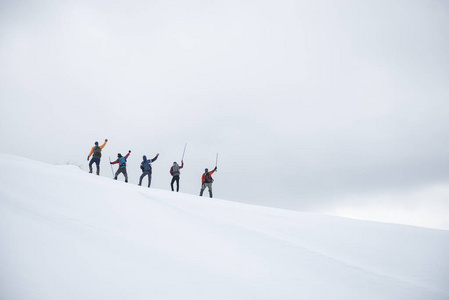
column 330, row 106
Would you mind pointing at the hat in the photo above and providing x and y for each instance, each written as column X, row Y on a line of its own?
column 119, row 155
column 207, row 170
column 96, row 143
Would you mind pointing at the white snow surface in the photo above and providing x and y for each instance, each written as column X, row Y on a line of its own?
column 67, row 234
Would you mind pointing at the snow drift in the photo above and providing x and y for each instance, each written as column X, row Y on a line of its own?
column 67, row 234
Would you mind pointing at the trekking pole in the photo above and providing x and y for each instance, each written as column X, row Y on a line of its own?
column 216, row 161
column 112, row 170
column 184, row 152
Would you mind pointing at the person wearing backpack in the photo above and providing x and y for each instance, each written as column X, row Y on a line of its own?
column 174, row 171
column 207, row 181
column 121, row 160
column 146, row 168
column 96, row 151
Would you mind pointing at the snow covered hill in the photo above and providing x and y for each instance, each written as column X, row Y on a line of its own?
column 66, row 234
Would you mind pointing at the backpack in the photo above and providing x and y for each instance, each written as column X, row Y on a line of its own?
column 97, row 152
column 122, row 162
column 146, row 165
column 208, row 178
column 175, row 170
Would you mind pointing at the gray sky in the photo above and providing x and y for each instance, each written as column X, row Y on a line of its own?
column 326, row 106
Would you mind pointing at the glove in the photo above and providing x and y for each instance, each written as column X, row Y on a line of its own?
column 129, row 151
column 111, row 163
column 88, row 158
column 106, row 140
column 157, row 154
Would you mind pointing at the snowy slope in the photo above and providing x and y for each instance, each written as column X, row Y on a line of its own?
column 66, row 234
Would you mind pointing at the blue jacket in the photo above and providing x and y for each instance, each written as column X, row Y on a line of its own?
column 146, row 163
